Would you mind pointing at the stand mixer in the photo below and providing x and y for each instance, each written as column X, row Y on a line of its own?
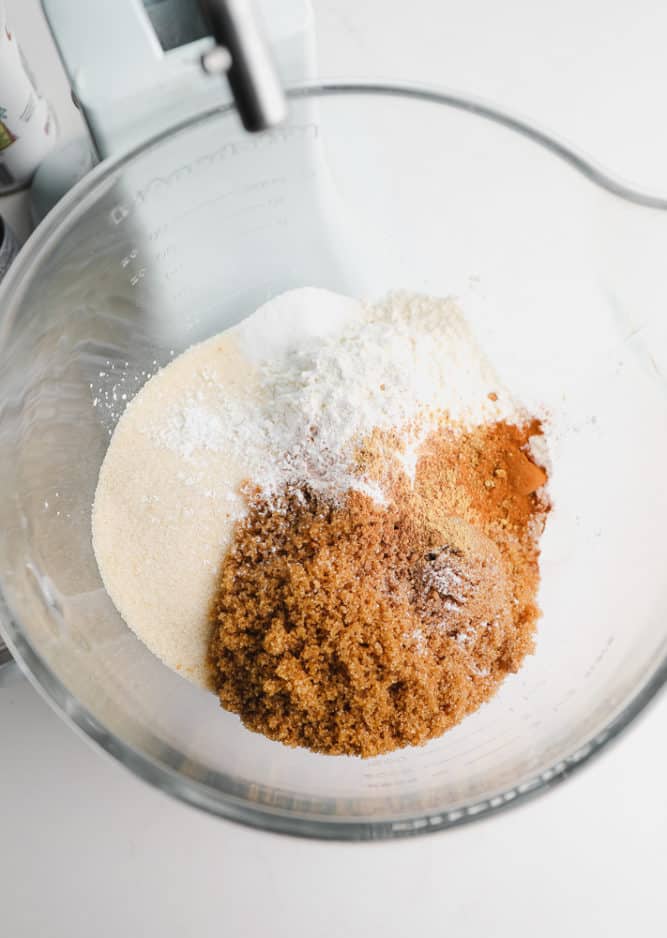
column 360, row 189
column 173, row 53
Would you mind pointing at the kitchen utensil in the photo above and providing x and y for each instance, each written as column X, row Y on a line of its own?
column 365, row 188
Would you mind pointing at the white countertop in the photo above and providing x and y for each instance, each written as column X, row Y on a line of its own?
column 86, row 849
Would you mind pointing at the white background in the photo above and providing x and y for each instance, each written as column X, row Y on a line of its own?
column 87, row 850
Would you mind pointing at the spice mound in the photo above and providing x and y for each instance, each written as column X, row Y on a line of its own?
column 355, row 626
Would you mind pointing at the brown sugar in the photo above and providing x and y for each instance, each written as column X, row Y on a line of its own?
column 351, row 627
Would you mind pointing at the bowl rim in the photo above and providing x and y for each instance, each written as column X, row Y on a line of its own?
column 196, row 793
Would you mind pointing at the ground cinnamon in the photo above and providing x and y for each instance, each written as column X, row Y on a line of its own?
column 351, row 627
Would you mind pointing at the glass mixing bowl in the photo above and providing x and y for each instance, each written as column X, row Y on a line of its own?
column 367, row 188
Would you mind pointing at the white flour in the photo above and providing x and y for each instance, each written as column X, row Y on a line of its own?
column 353, row 369
column 283, row 397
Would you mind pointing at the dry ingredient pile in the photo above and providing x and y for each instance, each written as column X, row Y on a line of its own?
column 330, row 515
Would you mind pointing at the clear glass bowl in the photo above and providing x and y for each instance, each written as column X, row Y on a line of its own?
column 367, row 188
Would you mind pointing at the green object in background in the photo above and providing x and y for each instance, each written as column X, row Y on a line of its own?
column 6, row 136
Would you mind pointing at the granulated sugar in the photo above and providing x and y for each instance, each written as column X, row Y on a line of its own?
column 283, row 398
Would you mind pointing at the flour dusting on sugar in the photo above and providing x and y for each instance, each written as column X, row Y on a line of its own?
column 326, row 371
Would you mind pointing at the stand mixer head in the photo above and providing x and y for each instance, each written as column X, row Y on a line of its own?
column 174, row 53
